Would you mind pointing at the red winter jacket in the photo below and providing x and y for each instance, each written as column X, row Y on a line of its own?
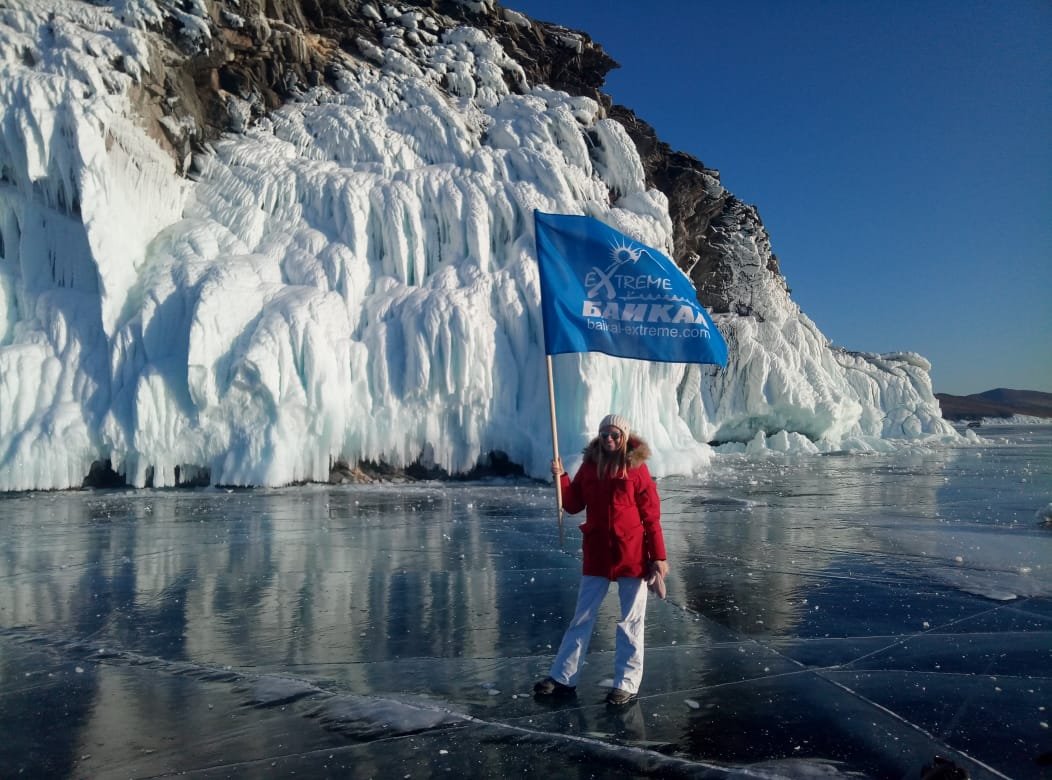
column 622, row 527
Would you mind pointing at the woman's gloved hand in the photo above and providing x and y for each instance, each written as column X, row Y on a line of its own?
column 656, row 578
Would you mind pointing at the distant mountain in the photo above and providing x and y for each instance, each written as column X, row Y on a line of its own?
column 1000, row 402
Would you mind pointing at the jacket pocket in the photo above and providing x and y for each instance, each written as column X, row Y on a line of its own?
column 629, row 530
column 629, row 542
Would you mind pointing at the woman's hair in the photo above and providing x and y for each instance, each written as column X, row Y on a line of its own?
column 612, row 465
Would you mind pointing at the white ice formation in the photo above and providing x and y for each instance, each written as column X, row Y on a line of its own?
column 352, row 278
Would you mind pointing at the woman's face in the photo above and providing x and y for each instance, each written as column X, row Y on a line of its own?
column 610, row 437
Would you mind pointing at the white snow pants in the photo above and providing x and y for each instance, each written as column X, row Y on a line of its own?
column 628, row 649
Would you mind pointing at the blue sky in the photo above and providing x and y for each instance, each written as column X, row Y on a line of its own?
column 900, row 154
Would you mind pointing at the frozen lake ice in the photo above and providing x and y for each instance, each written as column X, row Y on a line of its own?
column 828, row 616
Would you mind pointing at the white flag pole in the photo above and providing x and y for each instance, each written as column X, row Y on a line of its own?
column 555, row 449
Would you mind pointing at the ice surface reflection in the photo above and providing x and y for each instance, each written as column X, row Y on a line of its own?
column 827, row 616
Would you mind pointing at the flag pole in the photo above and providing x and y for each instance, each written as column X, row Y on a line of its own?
column 555, row 449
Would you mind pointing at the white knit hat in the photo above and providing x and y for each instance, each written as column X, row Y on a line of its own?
column 616, row 421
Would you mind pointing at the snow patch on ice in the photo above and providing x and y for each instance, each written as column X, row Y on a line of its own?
column 1016, row 419
column 997, row 567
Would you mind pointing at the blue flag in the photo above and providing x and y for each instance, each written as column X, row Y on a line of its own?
column 601, row 291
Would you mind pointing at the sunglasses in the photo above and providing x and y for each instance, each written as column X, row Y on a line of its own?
column 610, row 435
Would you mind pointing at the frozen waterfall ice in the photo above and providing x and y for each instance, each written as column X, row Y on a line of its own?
column 352, row 278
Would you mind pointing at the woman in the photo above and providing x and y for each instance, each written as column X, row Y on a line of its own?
column 623, row 542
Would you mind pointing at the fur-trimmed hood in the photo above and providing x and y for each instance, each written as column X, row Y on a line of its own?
column 638, row 451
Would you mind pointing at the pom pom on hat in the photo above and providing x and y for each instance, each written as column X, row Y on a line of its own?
column 616, row 421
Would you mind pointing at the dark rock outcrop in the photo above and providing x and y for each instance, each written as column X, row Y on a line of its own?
column 103, row 476
column 695, row 200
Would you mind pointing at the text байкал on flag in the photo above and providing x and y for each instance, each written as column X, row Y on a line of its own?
column 602, row 291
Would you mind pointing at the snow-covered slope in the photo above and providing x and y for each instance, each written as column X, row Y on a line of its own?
column 353, row 277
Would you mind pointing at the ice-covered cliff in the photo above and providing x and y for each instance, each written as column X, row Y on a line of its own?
column 348, row 275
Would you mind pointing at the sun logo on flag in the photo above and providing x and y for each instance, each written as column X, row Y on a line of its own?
column 622, row 252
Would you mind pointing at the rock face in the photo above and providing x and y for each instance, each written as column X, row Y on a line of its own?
column 259, row 54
